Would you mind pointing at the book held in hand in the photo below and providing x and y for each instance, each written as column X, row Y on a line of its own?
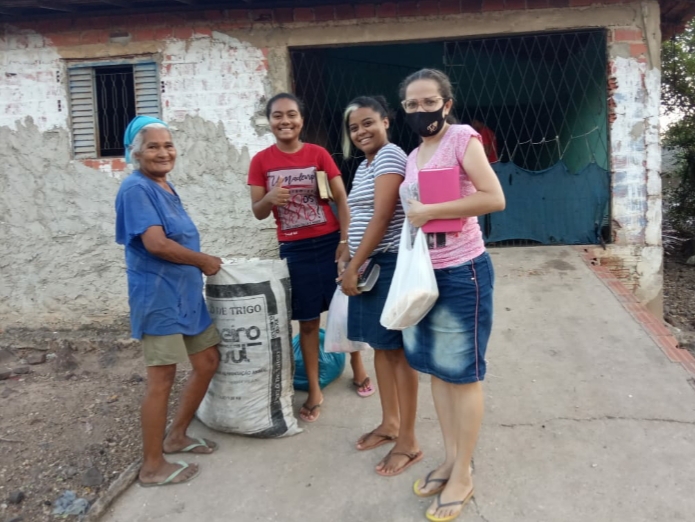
column 440, row 185
column 367, row 274
column 324, row 185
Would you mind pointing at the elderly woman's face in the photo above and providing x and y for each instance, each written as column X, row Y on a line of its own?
column 158, row 153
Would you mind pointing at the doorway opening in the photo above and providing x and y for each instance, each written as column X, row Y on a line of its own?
column 543, row 97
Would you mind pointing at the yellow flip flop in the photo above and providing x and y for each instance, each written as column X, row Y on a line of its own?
column 461, row 503
column 417, row 488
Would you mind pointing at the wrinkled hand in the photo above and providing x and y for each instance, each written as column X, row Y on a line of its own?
column 278, row 195
column 211, row 265
column 348, row 281
column 417, row 213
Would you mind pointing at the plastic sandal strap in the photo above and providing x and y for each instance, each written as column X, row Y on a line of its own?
column 172, row 477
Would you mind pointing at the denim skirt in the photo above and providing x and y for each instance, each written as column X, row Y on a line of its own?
column 451, row 341
column 364, row 310
column 313, row 272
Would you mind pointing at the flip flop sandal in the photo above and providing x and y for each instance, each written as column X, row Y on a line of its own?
column 417, row 488
column 311, row 410
column 461, row 503
column 366, row 383
column 413, row 458
column 199, row 443
column 169, row 481
column 384, row 439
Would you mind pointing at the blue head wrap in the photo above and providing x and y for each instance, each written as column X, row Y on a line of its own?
column 134, row 127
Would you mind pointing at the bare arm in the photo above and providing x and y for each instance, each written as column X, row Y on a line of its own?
column 488, row 198
column 385, row 200
column 159, row 245
column 340, row 198
column 262, row 201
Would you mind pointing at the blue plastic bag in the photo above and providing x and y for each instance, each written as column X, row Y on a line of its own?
column 330, row 365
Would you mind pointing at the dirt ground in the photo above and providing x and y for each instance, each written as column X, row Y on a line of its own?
column 679, row 298
column 72, row 423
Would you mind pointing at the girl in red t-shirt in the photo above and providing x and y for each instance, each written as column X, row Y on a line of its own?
column 312, row 238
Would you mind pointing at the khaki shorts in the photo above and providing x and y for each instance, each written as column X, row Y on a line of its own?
column 161, row 350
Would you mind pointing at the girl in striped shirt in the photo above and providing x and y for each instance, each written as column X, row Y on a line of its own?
column 376, row 218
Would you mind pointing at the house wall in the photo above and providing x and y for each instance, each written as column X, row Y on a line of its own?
column 58, row 261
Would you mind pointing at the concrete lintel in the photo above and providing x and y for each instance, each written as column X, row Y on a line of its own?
column 353, row 32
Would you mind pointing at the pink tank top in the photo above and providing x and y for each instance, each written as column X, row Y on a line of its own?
column 449, row 249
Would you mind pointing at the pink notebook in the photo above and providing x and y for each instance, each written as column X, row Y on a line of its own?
column 440, row 186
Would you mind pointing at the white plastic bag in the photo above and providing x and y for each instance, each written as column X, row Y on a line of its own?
column 336, row 339
column 413, row 290
column 252, row 392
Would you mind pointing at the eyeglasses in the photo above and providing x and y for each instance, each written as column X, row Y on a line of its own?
column 427, row 104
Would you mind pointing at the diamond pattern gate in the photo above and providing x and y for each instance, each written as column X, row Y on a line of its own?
column 543, row 98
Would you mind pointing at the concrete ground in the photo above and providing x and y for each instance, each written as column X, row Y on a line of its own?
column 586, row 420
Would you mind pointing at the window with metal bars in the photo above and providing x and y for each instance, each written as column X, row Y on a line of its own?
column 540, row 99
column 103, row 100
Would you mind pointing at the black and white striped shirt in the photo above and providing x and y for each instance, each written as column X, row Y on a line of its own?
column 389, row 160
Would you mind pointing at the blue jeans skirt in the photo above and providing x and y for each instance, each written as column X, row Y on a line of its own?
column 364, row 310
column 313, row 272
column 451, row 341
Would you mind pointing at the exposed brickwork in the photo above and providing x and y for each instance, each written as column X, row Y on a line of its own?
column 387, row 10
column 493, row 5
column 303, row 14
column 450, row 6
column 68, row 32
column 515, row 4
column 365, row 11
column 345, row 12
column 429, row 8
column 629, row 34
column 283, row 16
column 638, row 49
column 471, row 6
column 262, row 15
column 651, row 324
column 408, row 9
column 324, row 13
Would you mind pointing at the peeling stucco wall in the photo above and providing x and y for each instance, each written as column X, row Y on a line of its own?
column 58, row 260
column 636, row 254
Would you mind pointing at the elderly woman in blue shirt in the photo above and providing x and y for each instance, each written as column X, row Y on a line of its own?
column 165, row 291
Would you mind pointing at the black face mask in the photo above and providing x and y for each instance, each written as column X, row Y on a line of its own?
column 426, row 124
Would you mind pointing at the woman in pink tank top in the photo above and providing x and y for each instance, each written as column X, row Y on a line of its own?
column 451, row 341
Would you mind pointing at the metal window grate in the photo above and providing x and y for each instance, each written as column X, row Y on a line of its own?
column 103, row 99
column 115, row 93
column 543, row 97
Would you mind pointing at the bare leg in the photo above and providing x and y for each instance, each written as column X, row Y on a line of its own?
column 359, row 373
column 388, row 395
column 204, row 367
column 447, row 423
column 466, row 401
column 309, row 342
column 406, row 387
column 155, row 467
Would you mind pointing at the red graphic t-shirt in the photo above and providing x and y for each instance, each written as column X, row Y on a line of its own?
column 306, row 215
